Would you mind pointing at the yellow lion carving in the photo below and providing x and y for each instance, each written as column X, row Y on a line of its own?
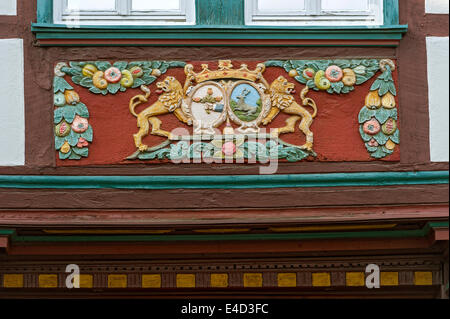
column 169, row 102
column 282, row 101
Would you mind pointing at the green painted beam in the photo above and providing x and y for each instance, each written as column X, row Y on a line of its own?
column 45, row 11
column 225, row 181
column 220, row 12
column 7, row 232
column 230, row 237
column 218, row 20
column 391, row 12
column 438, row 224
column 205, row 32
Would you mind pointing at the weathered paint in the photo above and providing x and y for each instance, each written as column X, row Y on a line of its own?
column 220, row 12
column 12, row 109
column 438, row 84
column 44, row 11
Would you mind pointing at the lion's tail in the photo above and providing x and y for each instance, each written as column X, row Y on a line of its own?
column 139, row 99
column 307, row 101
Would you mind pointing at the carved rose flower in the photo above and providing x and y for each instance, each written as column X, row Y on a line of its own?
column 80, row 124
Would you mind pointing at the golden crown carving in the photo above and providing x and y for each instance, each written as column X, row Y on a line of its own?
column 225, row 71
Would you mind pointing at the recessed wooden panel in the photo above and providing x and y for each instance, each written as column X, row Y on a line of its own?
column 287, row 280
column 48, row 281
column 389, row 279
column 253, row 280
column 13, row 281
column 321, row 279
column 186, row 281
column 219, row 280
column 151, row 281
column 355, row 279
column 117, row 281
column 423, row 278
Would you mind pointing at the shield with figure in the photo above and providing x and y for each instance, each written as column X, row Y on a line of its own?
column 248, row 105
column 207, row 103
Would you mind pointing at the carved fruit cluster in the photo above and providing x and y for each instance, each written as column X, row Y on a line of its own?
column 378, row 118
column 71, row 118
column 102, row 77
column 333, row 76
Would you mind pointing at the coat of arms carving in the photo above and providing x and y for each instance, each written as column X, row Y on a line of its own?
column 210, row 98
column 226, row 110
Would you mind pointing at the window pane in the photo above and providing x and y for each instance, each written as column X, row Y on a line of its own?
column 96, row 5
column 347, row 5
column 156, row 5
column 281, row 5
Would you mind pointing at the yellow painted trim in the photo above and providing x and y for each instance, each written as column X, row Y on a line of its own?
column 86, row 281
column 355, row 279
column 321, row 279
column 13, row 281
column 219, row 280
column 253, row 280
column 186, row 281
column 117, row 281
column 423, row 278
column 48, row 281
column 222, row 231
column 389, row 279
column 151, row 281
column 325, row 228
column 105, row 232
column 287, row 280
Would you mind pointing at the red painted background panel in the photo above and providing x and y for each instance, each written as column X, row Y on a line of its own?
column 336, row 127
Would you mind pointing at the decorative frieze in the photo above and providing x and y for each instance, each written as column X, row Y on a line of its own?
column 224, row 112
column 334, row 273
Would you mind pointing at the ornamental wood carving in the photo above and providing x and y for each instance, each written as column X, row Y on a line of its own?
column 225, row 111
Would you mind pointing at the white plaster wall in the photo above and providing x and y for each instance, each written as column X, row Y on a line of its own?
column 12, row 114
column 436, row 6
column 438, row 90
column 8, row 7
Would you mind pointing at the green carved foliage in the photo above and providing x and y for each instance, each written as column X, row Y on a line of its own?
column 70, row 144
column 362, row 70
column 382, row 143
column 385, row 83
column 60, row 85
column 251, row 150
column 146, row 72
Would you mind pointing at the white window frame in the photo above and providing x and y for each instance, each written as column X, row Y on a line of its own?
column 124, row 15
column 313, row 15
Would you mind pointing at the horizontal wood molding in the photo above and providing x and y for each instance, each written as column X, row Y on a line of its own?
column 211, row 35
column 285, row 217
column 225, row 182
column 415, row 233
